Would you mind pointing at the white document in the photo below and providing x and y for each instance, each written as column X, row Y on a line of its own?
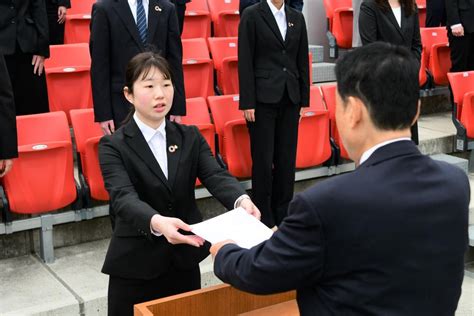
column 237, row 225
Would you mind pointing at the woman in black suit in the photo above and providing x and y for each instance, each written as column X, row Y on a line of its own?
column 25, row 43
column 150, row 166
column 56, row 10
column 395, row 22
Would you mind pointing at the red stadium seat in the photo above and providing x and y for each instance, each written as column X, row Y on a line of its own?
column 431, row 36
column 224, row 54
column 231, row 129
column 197, row 113
column 77, row 28
column 422, row 77
column 80, row 7
column 462, row 86
column 340, row 20
column 197, row 20
column 68, row 77
column 436, row 47
column 421, row 4
column 329, row 95
column 225, row 17
column 42, row 179
column 197, row 68
column 87, row 134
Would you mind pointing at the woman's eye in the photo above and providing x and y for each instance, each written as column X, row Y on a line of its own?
column 167, row 84
column 149, row 86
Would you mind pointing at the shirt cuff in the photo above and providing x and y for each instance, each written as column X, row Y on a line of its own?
column 155, row 232
column 455, row 25
column 240, row 199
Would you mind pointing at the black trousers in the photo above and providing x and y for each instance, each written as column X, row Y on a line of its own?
column 435, row 13
column 56, row 30
column 124, row 293
column 29, row 90
column 273, row 140
column 462, row 51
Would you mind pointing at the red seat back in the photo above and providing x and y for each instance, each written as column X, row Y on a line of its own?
column 197, row 68
column 225, row 16
column 197, row 113
column 342, row 26
column 77, row 28
column 223, row 48
column 440, row 63
column 197, row 20
column 431, row 36
column 330, row 7
column 230, row 76
column 42, row 178
column 81, row 7
column 237, row 143
column 461, row 83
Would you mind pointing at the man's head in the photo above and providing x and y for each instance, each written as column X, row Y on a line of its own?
column 377, row 96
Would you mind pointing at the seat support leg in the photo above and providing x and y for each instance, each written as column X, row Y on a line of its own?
column 46, row 238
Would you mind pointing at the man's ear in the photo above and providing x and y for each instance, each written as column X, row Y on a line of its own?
column 418, row 109
column 356, row 109
column 128, row 95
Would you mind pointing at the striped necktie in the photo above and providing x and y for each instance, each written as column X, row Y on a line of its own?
column 141, row 21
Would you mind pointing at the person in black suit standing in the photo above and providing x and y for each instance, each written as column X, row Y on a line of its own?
column 56, row 10
column 150, row 166
column 395, row 22
column 8, row 138
column 386, row 239
column 180, row 11
column 120, row 29
column 295, row 4
column 24, row 42
column 435, row 13
column 460, row 25
column 274, row 85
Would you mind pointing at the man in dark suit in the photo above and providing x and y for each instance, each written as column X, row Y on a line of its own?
column 116, row 38
column 274, row 85
column 460, row 25
column 386, row 239
column 180, row 11
column 56, row 10
column 8, row 140
column 295, row 4
column 435, row 13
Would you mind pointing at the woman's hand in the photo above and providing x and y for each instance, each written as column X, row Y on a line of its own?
column 251, row 208
column 169, row 226
column 249, row 115
column 38, row 63
column 61, row 14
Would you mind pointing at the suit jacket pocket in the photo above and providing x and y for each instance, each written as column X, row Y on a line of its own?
column 262, row 73
column 28, row 35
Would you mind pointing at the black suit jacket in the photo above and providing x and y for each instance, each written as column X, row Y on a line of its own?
column 461, row 11
column 295, row 4
column 376, row 24
column 8, row 139
column 138, row 190
column 115, row 40
column 24, row 23
column 268, row 64
column 386, row 239
column 59, row 3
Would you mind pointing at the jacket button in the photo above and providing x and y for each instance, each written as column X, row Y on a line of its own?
column 283, row 51
column 13, row 21
column 284, row 68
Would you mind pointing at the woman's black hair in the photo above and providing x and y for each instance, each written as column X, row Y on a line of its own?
column 408, row 6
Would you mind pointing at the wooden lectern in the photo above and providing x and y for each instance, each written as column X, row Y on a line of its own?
column 220, row 300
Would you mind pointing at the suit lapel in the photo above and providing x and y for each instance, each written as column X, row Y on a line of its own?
column 137, row 142
column 393, row 150
column 174, row 142
column 270, row 20
column 290, row 22
column 123, row 10
column 155, row 11
column 405, row 26
column 391, row 17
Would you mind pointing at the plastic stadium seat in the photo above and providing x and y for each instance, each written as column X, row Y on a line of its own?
column 436, row 46
column 197, row 20
column 421, row 4
column 340, row 20
column 329, row 95
column 197, row 113
column 225, row 17
column 42, row 179
column 68, row 77
column 422, row 77
column 462, row 85
column 197, row 68
column 77, row 28
column 231, row 128
column 224, row 54
column 87, row 134
column 80, row 7
column 431, row 36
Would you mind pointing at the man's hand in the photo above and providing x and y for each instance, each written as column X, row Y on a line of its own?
column 248, row 205
column 249, row 115
column 61, row 14
column 5, row 166
column 38, row 64
column 217, row 246
column 169, row 227
column 108, row 127
column 458, row 30
column 175, row 118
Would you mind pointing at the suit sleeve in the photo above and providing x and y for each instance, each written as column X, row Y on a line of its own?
column 100, row 64
column 246, row 52
column 367, row 24
column 8, row 137
column 64, row 3
column 124, row 200
column 243, row 4
column 216, row 179
column 452, row 12
column 416, row 40
column 303, row 66
column 293, row 257
column 297, row 5
column 174, row 55
column 38, row 11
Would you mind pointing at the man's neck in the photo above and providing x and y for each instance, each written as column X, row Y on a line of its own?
column 381, row 137
column 277, row 3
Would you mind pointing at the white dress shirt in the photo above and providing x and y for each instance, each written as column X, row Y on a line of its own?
column 398, row 15
column 156, row 140
column 280, row 17
column 133, row 8
column 366, row 155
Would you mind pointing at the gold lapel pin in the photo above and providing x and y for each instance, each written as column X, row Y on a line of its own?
column 290, row 24
column 157, row 8
column 172, row 148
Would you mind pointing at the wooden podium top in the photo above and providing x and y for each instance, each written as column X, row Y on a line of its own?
column 289, row 308
column 218, row 300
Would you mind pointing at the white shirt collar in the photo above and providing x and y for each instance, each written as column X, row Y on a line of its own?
column 147, row 131
column 274, row 9
column 366, row 155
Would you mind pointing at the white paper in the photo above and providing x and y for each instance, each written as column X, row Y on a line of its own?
column 237, row 225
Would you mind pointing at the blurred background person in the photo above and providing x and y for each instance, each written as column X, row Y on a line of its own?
column 180, row 11
column 56, row 10
column 356, row 42
column 435, row 13
column 24, row 41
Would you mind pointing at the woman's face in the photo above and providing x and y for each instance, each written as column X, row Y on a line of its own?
column 152, row 97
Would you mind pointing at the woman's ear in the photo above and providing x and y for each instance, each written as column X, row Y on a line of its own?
column 128, row 95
